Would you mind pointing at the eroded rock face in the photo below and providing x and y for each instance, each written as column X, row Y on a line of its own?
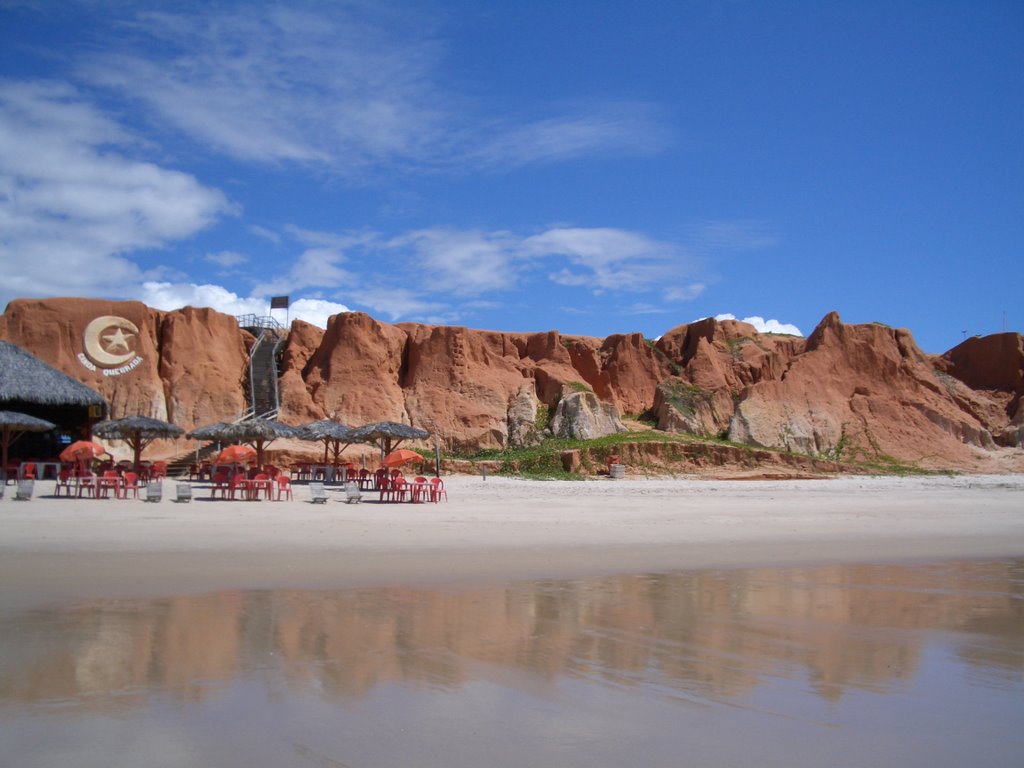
column 863, row 390
column 297, row 406
column 112, row 346
column 581, row 416
column 846, row 391
column 204, row 366
column 355, row 374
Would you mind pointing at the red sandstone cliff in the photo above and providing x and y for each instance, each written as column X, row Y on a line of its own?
column 847, row 390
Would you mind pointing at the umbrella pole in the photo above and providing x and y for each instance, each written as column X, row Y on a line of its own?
column 6, row 442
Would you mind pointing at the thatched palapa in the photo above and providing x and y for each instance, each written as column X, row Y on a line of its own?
column 25, row 378
column 12, row 426
column 31, row 387
column 255, row 430
column 137, row 431
column 387, row 435
column 332, row 433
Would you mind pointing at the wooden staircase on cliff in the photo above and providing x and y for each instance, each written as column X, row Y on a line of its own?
column 263, row 395
column 263, row 372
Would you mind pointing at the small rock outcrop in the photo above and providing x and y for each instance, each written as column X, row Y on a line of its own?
column 581, row 416
column 522, row 419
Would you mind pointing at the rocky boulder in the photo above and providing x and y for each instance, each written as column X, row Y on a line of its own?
column 522, row 419
column 581, row 416
column 683, row 407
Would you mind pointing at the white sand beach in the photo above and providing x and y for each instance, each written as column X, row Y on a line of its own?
column 497, row 528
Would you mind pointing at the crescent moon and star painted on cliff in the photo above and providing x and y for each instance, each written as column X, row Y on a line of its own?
column 109, row 343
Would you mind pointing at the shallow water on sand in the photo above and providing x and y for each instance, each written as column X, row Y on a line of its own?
column 840, row 665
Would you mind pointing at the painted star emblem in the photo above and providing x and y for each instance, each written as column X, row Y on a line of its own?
column 118, row 341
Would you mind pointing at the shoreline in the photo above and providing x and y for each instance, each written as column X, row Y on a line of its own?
column 497, row 529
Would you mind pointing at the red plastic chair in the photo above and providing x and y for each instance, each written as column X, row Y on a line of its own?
column 261, row 484
column 399, row 489
column 365, row 481
column 27, row 471
column 419, row 488
column 108, row 481
column 220, row 485
column 158, row 470
column 131, row 484
column 64, row 481
column 284, row 487
column 437, row 490
column 239, row 484
column 86, row 482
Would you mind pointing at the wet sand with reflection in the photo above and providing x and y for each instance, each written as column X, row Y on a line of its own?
column 845, row 664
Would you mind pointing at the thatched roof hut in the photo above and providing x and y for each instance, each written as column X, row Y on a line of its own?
column 30, row 386
column 138, row 432
column 27, row 379
column 388, row 435
column 331, row 433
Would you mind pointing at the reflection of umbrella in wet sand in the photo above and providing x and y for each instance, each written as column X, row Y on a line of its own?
column 400, row 458
column 387, row 435
column 236, row 454
column 255, row 430
column 137, row 431
column 14, row 425
column 332, row 433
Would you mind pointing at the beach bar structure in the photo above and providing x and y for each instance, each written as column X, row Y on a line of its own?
column 30, row 386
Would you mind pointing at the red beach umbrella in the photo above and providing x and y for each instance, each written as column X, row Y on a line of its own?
column 401, row 457
column 236, row 454
column 82, row 450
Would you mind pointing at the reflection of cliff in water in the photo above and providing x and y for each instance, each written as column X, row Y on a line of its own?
column 708, row 634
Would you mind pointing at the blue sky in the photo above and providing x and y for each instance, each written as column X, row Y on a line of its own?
column 597, row 167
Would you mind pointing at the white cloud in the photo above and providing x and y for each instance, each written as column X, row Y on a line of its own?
column 606, row 259
column 765, row 326
column 462, row 262
column 227, row 258
column 404, row 304
column 632, row 127
column 170, row 296
column 72, row 201
column 316, row 311
column 685, row 292
column 345, row 87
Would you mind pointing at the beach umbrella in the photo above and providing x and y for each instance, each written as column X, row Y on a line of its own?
column 82, row 450
column 12, row 426
column 137, row 431
column 236, row 454
column 401, row 457
column 387, row 435
column 259, row 432
column 209, row 432
column 256, row 430
column 331, row 432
